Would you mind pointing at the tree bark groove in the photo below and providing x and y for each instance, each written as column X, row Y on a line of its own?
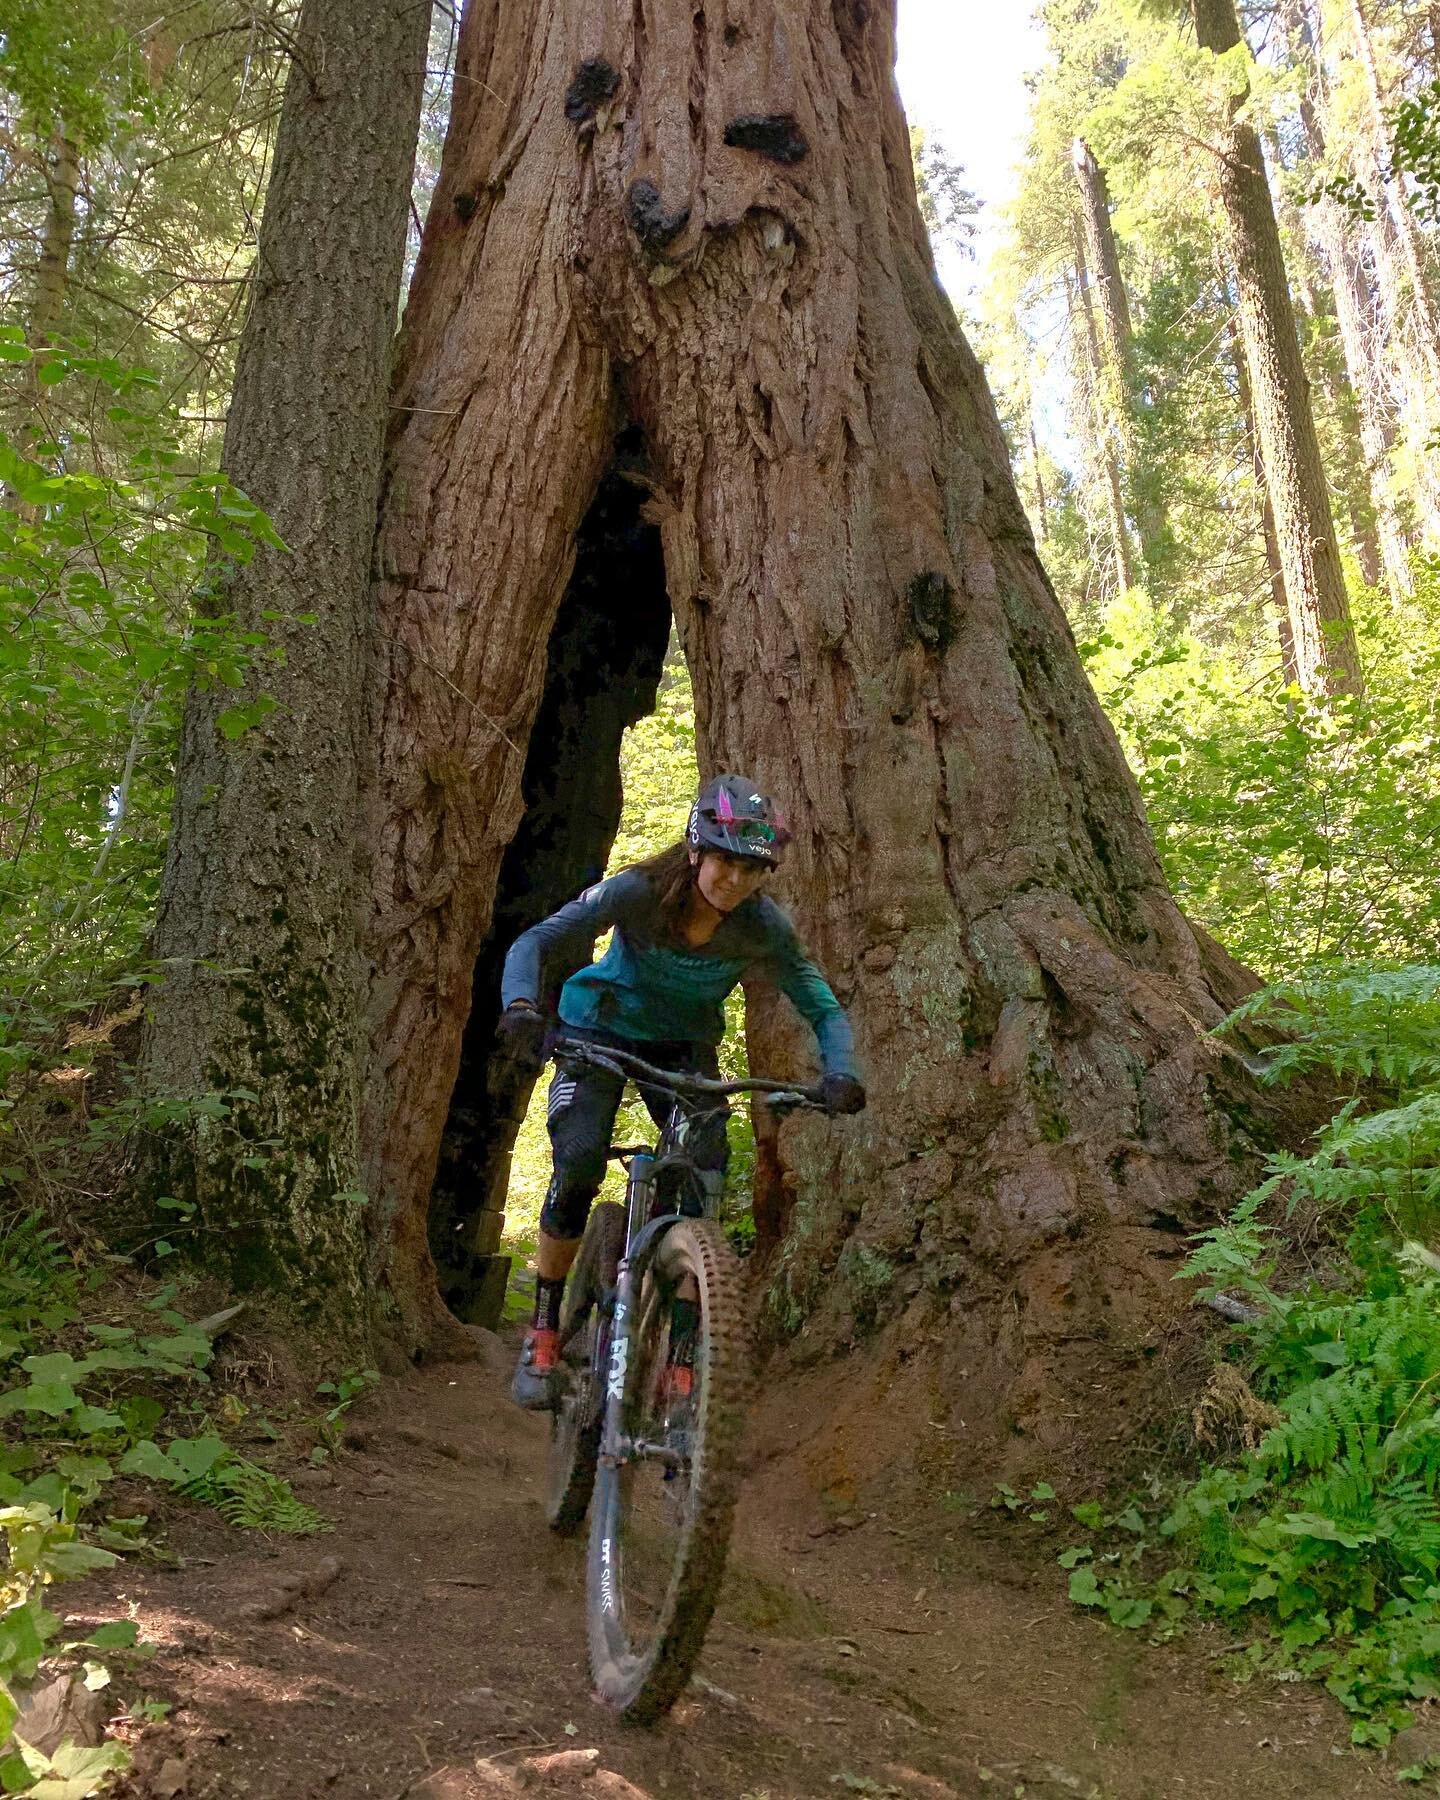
column 870, row 634
column 257, row 924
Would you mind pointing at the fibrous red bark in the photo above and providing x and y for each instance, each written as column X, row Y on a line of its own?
column 708, row 220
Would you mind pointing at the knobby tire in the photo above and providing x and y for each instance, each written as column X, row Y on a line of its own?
column 576, row 1423
column 643, row 1681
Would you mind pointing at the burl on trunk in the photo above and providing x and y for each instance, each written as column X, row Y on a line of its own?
column 704, row 221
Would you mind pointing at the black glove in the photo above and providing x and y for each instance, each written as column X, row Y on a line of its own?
column 842, row 1094
column 523, row 1031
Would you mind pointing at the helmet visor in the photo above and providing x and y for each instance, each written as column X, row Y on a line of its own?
column 744, row 831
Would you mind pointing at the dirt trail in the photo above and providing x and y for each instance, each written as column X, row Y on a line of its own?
column 433, row 1647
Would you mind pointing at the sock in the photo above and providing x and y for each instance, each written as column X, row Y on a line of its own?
column 548, row 1295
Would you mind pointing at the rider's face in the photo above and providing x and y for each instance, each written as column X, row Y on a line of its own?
column 726, row 880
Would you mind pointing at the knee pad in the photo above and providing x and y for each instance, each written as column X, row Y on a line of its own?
column 567, row 1199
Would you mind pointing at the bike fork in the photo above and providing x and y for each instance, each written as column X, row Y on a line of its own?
column 612, row 1441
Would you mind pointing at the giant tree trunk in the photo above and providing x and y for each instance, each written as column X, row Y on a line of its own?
column 1335, row 236
column 258, row 922
column 1274, row 568
column 1099, row 421
column 1325, row 649
column 710, row 222
column 1121, row 385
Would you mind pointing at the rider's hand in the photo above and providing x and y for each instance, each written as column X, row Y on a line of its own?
column 523, row 1030
column 841, row 1094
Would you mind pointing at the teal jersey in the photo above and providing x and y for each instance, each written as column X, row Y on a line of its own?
column 653, row 990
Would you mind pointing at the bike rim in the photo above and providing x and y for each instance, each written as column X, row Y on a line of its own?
column 644, row 1522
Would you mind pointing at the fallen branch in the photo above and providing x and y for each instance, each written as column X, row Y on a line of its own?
column 1240, row 1311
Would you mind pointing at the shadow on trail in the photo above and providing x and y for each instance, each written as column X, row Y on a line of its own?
column 433, row 1647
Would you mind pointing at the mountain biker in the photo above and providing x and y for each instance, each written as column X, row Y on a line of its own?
column 690, row 924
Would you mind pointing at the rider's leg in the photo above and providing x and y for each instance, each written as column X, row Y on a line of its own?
column 581, row 1115
column 555, row 1257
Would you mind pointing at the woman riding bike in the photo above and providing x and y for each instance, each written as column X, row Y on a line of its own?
column 690, row 924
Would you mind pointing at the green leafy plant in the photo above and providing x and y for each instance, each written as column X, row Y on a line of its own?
column 43, row 1548
column 1005, row 1498
column 1293, row 826
column 112, row 563
column 253, row 1498
column 1324, row 1535
column 344, row 1390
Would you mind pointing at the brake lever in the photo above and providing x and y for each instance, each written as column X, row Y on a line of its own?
column 783, row 1104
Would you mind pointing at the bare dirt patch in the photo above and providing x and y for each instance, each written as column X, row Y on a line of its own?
column 432, row 1646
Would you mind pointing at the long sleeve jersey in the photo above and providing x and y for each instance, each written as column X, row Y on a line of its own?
column 651, row 990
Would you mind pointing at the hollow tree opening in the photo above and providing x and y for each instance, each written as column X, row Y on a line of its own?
column 868, row 631
column 603, row 667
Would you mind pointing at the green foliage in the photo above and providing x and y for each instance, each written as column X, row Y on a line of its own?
column 1031, row 1504
column 104, row 626
column 250, row 1497
column 110, row 577
column 1292, row 827
column 1375, row 1171
column 1415, row 138
column 1325, row 1534
column 43, row 1548
column 949, row 208
column 347, row 1387
column 91, row 1373
column 71, row 67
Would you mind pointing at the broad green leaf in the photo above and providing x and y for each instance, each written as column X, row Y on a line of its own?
column 1084, row 1588
column 147, row 1459
column 195, row 1456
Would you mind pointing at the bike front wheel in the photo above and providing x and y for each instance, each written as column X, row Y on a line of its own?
column 660, row 1529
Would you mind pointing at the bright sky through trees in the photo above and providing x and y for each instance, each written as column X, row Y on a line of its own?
column 961, row 71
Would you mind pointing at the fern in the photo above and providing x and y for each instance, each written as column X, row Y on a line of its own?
column 246, row 1495
column 1330, row 1526
column 1367, row 1020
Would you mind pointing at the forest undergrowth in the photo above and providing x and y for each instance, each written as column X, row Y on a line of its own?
column 1300, row 827
column 1300, row 830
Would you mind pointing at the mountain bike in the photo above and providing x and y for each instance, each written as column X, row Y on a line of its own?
column 653, row 1380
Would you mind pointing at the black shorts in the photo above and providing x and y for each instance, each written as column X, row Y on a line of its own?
column 580, row 1115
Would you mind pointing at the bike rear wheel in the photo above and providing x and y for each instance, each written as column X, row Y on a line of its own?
column 579, row 1413
column 660, row 1528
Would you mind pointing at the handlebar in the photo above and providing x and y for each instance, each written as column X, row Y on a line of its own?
column 784, row 1096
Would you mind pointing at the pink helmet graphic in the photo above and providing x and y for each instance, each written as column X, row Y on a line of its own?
column 731, row 814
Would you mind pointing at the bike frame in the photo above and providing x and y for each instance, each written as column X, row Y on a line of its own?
column 624, row 1426
column 644, row 1229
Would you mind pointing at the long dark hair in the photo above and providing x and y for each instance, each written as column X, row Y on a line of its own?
column 672, row 877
